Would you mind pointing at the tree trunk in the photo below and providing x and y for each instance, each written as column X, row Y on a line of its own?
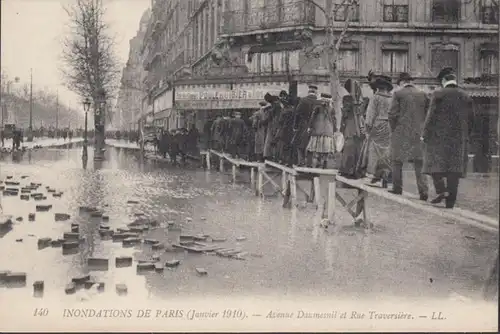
column 332, row 69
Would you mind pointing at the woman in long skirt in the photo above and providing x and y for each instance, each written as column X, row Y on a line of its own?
column 321, row 125
column 379, row 132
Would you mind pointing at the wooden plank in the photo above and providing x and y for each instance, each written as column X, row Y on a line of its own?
column 293, row 190
column 344, row 203
column 317, row 191
column 358, row 198
column 252, row 177
column 260, row 182
column 219, row 154
column 474, row 219
column 208, row 160
column 234, row 173
column 331, row 202
column 320, row 171
column 221, row 164
column 270, row 180
column 279, row 166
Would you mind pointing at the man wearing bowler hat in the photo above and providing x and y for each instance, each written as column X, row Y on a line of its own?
column 446, row 132
column 406, row 119
column 302, row 115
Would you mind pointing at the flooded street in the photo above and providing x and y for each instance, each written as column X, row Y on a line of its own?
column 285, row 253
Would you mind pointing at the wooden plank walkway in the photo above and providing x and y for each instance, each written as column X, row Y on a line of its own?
column 411, row 200
column 269, row 172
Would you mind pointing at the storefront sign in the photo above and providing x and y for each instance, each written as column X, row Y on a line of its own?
column 238, row 92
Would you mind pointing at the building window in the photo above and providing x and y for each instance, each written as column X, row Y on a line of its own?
column 489, row 12
column 446, row 11
column 348, row 61
column 395, row 11
column 394, row 61
column 489, row 62
column 274, row 62
column 342, row 12
column 445, row 56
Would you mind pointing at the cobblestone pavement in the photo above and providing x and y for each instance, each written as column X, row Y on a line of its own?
column 409, row 254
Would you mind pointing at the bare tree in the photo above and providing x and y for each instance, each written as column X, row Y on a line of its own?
column 91, row 67
column 333, row 40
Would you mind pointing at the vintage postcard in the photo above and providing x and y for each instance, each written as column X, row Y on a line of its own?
column 249, row 165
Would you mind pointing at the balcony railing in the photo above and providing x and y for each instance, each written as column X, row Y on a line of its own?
column 268, row 17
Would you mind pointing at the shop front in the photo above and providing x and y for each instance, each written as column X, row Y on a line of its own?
column 163, row 116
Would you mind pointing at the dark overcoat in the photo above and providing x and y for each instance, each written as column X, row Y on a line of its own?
column 237, row 126
column 446, row 131
column 285, row 133
column 216, row 132
column 259, row 127
column 406, row 118
column 271, row 119
column 302, row 115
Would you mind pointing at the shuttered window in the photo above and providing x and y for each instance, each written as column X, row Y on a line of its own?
column 395, row 10
column 343, row 11
column 444, row 57
column 348, row 61
column 274, row 62
column 394, row 61
column 446, row 11
column 489, row 62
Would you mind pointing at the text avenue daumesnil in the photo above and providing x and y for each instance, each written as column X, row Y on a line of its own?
column 193, row 314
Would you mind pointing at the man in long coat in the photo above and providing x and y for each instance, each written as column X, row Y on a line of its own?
column 406, row 119
column 446, row 132
column 302, row 115
column 216, row 131
column 236, row 143
column 259, row 127
column 271, row 119
column 285, row 133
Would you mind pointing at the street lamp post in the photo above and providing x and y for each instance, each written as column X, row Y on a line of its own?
column 30, row 133
column 86, row 108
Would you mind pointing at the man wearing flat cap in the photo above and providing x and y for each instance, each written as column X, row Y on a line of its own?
column 406, row 119
column 446, row 132
column 302, row 115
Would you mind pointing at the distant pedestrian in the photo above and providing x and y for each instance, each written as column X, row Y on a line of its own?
column 446, row 132
column 406, row 118
column 65, row 135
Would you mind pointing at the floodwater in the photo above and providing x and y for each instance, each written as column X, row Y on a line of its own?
column 409, row 254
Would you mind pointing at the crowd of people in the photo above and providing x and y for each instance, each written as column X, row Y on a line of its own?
column 376, row 136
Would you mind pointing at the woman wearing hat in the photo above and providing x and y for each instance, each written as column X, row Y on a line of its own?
column 379, row 132
column 321, row 127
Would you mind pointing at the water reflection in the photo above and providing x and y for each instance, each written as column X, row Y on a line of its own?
column 288, row 251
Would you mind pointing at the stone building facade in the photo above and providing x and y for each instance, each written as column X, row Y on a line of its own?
column 209, row 56
column 129, row 102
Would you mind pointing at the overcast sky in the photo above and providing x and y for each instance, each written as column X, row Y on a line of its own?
column 31, row 31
